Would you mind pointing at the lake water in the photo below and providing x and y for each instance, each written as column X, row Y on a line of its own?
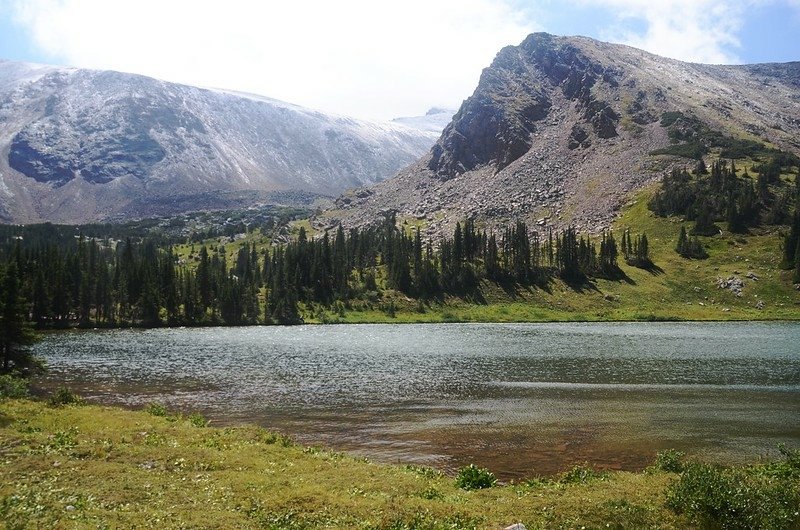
column 521, row 399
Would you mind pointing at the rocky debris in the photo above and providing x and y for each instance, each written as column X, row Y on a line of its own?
column 517, row 526
column 732, row 283
column 559, row 130
column 752, row 276
column 578, row 138
column 760, row 304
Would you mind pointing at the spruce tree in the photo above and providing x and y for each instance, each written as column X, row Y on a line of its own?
column 16, row 332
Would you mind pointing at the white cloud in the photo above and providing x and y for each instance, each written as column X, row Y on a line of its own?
column 690, row 30
column 359, row 57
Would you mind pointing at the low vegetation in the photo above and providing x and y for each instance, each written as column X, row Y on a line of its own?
column 691, row 138
column 765, row 496
column 87, row 467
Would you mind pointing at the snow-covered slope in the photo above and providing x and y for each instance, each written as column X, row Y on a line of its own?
column 435, row 120
column 82, row 145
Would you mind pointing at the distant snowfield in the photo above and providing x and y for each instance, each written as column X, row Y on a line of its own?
column 435, row 120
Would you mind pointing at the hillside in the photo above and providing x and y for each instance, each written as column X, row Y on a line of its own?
column 83, row 145
column 565, row 130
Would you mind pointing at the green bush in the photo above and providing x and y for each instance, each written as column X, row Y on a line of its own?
column 65, row 396
column 718, row 497
column 670, row 461
column 581, row 474
column 431, row 494
column 156, row 409
column 13, row 387
column 198, row 420
column 424, row 471
column 475, row 478
column 669, row 118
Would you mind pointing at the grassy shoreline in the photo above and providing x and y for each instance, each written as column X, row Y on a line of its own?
column 129, row 468
column 104, row 467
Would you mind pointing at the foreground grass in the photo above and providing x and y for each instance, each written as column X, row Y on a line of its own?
column 95, row 467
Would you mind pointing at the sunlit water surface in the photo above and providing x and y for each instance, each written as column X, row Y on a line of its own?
column 521, row 399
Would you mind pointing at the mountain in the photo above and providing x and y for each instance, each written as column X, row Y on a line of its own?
column 435, row 120
column 564, row 130
column 83, row 145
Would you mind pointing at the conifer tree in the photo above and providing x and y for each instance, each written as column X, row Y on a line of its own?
column 16, row 332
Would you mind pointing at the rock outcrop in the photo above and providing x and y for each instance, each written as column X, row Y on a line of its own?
column 564, row 130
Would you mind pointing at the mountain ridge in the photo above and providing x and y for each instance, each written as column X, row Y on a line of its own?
column 82, row 145
column 560, row 131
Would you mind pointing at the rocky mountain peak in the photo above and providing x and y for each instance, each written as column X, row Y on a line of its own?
column 495, row 126
column 565, row 130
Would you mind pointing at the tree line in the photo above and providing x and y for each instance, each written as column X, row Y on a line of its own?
column 94, row 282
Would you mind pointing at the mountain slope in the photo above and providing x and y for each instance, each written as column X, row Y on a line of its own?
column 82, row 145
column 435, row 120
column 560, row 130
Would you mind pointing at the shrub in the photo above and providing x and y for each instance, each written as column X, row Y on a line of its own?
column 670, row 461
column 581, row 474
column 431, row 494
column 475, row 478
column 156, row 409
column 65, row 396
column 13, row 387
column 198, row 420
column 424, row 471
column 718, row 497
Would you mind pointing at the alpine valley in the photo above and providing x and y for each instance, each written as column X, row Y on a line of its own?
column 582, row 182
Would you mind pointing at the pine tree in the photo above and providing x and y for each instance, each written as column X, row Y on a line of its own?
column 16, row 333
column 735, row 222
column 704, row 224
column 681, row 247
column 700, row 168
column 204, row 279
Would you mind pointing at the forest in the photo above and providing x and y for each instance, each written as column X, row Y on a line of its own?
column 94, row 282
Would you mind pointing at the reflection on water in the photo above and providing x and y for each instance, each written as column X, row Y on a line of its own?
column 522, row 399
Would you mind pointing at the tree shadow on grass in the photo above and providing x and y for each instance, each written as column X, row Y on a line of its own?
column 582, row 285
column 648, row 266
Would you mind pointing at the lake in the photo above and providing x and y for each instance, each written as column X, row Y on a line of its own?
column 521, row 399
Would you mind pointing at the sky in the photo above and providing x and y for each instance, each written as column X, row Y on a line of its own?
column 374, row 59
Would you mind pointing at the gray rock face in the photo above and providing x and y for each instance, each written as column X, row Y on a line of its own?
column 82, row 145
column 559, row 132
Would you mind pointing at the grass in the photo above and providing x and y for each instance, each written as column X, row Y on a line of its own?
column 679, row 289
column 93, row 467
column 98, row 467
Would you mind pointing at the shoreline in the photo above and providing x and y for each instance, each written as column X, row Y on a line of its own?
column 84, row 466
column 396, row 321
